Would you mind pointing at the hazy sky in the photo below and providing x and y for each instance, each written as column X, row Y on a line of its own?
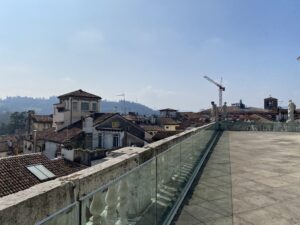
column 156, row 52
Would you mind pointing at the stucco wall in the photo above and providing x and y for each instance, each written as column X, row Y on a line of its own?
column 50, row 149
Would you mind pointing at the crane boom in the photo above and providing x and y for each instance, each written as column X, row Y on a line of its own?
column 214, row 82
column 221, row 89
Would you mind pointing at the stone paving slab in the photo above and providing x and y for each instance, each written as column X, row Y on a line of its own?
column 252, row 178
column 265, row 178
column 211, row 201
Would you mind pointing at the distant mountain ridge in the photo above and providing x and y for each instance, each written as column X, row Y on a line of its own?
column 45, row 105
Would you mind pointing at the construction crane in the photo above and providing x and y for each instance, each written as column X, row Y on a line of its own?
column 221, row 89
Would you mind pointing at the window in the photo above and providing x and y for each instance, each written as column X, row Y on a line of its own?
column 75, row 106
column 115, row 124
column 116, row 140
column 85, row 106
column 94, row 106
column 100, row 141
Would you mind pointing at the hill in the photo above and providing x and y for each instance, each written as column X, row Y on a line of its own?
column 45, row 106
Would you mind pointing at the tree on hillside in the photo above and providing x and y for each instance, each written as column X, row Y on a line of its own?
column 17, row 122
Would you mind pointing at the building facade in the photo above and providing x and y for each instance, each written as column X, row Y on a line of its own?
column 271, row 103
column 73, row 106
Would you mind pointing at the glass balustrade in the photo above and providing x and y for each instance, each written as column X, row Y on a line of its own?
column 66, row 216
column 148, row 194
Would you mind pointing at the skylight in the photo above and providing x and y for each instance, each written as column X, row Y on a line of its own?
column 41, row 172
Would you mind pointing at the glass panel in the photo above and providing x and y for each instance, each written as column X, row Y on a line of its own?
column 67, row 216
column 45, row 171
column 213, row 192
column 169, row 181
column 210, row 200
column 150, row 193
column 131, row 198
column 176, row 168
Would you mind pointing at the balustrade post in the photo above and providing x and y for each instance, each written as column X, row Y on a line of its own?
column 133, row 196
column 122, row 206
column 109, row 214
column 96, row 208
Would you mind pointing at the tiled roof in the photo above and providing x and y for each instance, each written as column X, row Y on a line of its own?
column 101, row 117
column 80, row 94
column 65, row 134
column 42, row 118
column 131, row 117
column 168, row 109
column 271, row 98
column 6, row 138
column 167, row 121
column 14, row 176
column 164, row 134
column 152, row 128
column 190, row 115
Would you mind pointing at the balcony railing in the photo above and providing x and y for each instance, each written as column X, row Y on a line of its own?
column 151, row 193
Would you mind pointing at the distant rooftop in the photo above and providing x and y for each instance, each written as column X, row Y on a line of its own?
column 42, row 118
column 168, row 109
column 79, row 94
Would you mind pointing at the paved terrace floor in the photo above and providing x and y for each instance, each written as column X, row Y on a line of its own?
column 252, row 178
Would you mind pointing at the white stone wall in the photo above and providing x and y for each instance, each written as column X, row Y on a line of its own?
column 69, row 115
column 68, row 154
column 50, row 149
column 170, row 127
column 107, row 138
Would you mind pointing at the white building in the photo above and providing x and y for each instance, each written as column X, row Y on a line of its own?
column 73, row 106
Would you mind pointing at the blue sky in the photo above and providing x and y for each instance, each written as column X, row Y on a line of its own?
column 156, row 52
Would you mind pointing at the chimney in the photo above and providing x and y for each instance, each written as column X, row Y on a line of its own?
column 88, row 123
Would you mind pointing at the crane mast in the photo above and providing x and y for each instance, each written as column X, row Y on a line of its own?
column 221, row 89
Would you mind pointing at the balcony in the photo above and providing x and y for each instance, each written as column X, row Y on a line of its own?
column 202, row 176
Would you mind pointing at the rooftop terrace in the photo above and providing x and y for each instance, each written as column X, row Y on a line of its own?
column 252, row 178
column 201, row 176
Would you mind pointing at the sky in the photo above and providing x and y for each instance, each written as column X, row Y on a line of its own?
column 156, row 52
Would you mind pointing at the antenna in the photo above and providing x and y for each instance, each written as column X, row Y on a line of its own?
column 124, row 102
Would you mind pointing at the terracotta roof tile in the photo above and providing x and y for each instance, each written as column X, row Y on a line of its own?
column 14, row 176
column 164, row 134
column 168, row 109
column 152, row 128
column 167, row 121
column 42, row 118
column 79, row 93
column 101, row 117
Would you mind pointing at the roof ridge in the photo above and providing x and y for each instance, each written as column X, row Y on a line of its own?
column 19, row 156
